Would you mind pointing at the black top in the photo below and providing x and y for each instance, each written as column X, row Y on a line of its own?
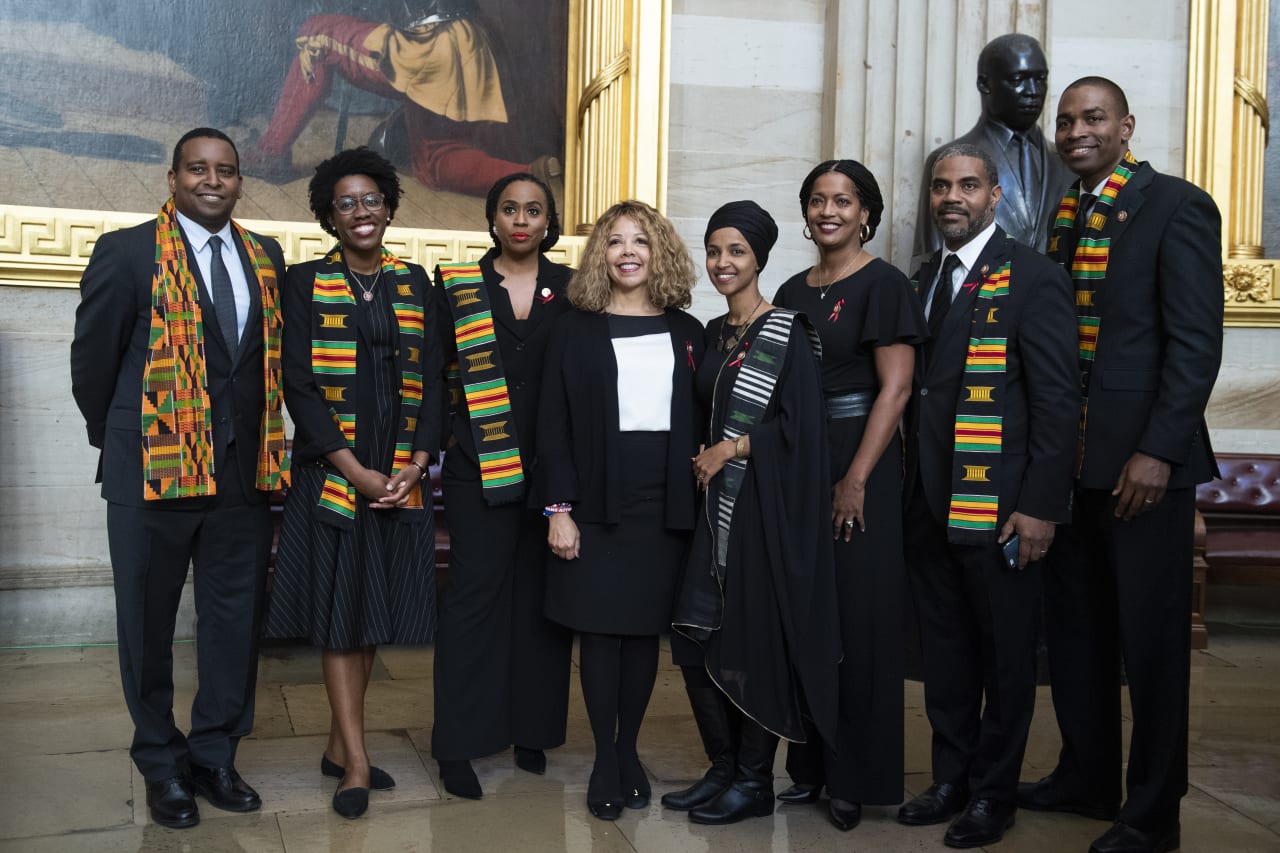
column 873, row 307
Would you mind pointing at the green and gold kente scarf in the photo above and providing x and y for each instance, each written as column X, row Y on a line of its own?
column 975, row 479
column 177, row 424
column 333, row 361
column 1088, row 266
column 476, row 379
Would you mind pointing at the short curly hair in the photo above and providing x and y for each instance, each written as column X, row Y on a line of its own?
column 864, row 186
column 671, row 270
column 553, row 216
column 353, row 161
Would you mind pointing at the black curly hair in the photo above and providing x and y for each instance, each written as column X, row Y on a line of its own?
column 353, row 161
column 864, row 184
column 553, row 217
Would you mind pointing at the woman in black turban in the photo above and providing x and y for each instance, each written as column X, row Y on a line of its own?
column 758, row 640
column 869, row 321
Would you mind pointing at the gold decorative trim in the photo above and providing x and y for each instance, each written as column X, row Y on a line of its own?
column 1228, row 128
column 49, row 247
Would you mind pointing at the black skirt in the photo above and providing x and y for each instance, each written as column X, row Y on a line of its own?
column 624, row 580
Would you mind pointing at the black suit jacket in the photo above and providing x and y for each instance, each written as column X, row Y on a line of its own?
column 109, row 355
column 1042, row 387
column 1160, row 335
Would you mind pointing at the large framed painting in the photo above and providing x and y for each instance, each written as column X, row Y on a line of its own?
column 456, row 93
column 1230, row 70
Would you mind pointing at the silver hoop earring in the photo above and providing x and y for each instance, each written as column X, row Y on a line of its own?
column 807, row 234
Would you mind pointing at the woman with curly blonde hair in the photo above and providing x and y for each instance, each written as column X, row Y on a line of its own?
column 620, row 422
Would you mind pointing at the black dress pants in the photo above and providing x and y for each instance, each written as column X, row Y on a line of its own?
column 227, row 543
column 501, row 667
column 1116, row 588
column 978, row 624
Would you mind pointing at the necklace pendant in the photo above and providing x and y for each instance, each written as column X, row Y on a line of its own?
column 368, row 296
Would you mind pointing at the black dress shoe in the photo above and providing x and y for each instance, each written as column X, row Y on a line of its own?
column 844, row 814
column 983, row 822
column 1122, row 838
column 741, row 800
column 800, row 794
column 531, row 760
column 939, row 802
column 604, row 799
column 379, row 779
column 351, row 803
column 223, row 787
column 1049, row 796
column 699, row 793
column 171, row 803
column 635, row 784
column 460, row 780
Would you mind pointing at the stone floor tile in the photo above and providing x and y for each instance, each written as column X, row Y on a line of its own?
column 408, row 661
column 67, row 793
column 256, row 833
column 389, row 704
column 64, row 726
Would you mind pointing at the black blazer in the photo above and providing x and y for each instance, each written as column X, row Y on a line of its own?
column 578, row 452
column 1042, row 387
column 109, row 355
column 523, row 347
column 1160, row 337
column 315, row 432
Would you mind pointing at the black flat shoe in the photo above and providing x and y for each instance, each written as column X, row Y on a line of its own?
column 172, row 804
column 1122, row 838
column 699, row 793
column 351, row 803
column 741, row 800
column 531, row 760
column 635, row 784
column 379, row 779
column 938, row 804
column 223, row 787
column 460, row 780
column 801, row 793
column 604, row 800
column 844, row 814
column 983, row 822
column 1049, row 796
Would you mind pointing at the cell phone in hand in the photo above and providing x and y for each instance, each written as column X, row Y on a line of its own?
column 1010, row 549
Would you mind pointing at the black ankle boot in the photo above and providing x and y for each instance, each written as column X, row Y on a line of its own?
column 714, row 716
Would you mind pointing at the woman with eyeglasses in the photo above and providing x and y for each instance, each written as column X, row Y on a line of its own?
column 355, row 566
column 501, row 667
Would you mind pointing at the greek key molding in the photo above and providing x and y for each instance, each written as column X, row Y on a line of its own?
column 49, row 247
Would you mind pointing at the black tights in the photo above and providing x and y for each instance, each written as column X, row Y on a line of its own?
column 618, row 673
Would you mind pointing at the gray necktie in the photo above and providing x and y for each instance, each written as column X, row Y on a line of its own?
column 224, row 298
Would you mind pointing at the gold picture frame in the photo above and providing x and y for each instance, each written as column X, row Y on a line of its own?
column 1228, row 124
column 615, row 148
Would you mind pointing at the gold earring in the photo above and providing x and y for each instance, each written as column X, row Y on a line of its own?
column 807, row 234
column 864, row 232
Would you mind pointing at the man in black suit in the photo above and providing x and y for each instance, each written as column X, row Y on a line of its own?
column 1012, row 82
column 1144, row 251
column 175, row 368
column 990, row 440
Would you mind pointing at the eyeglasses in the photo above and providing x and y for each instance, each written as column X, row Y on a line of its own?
column 346, row 204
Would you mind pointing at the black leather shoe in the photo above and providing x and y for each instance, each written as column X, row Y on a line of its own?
column 699, row 793
column 223, row 787
column 351, row 803
column 635, row 784
column 460, row 780
column 939, row 802
column 1048, row 796
column 844, row 814
column 801, row 793
column 1122, row 838
column 172, row 804
column 531, row 760
column 603, row 798
column 605, row 810
column 741, row 800
column 379, row 779
column 983, row 822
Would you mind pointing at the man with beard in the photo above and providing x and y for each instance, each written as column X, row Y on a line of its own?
column 991, row 431
column 1144, row 253
column 1012, row 77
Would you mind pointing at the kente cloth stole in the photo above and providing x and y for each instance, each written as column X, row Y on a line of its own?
column 333, row 361
column 761, row 359
column 477, row 380
column 1088, row 271
column 177, row 428
column 975, row 467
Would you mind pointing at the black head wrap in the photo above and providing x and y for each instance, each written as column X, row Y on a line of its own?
column 755, row 223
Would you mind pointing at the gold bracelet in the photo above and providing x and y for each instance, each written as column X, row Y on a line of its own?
column 740, row 448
